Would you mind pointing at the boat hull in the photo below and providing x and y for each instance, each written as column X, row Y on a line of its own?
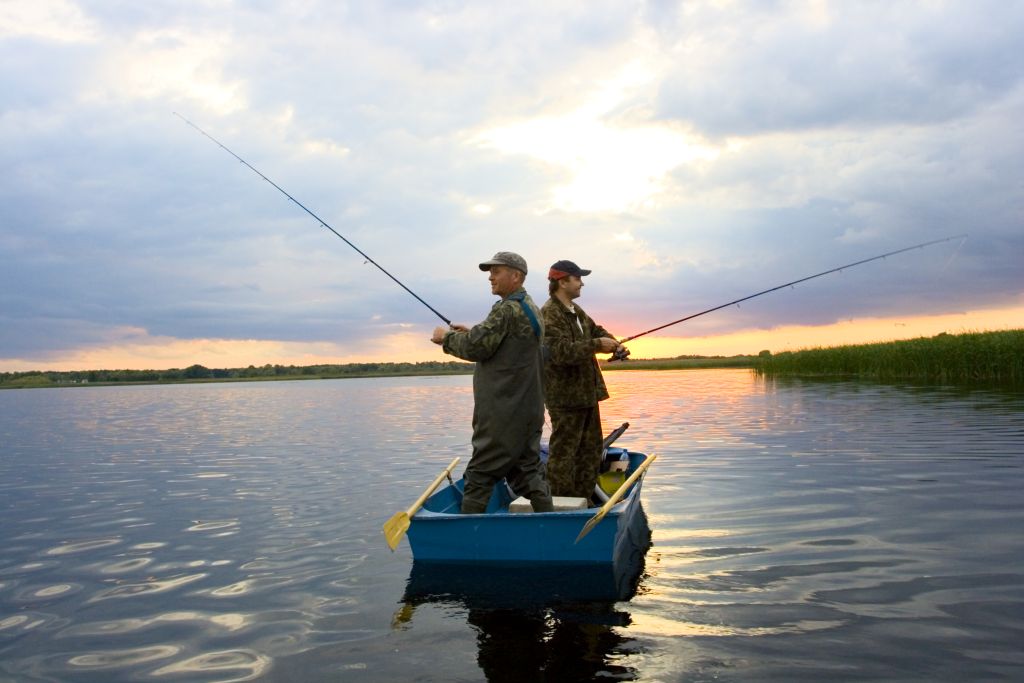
column 439, row 533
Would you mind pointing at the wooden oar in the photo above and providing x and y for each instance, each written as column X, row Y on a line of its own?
column 608, row 441
column 396, row 527
column 616, row 497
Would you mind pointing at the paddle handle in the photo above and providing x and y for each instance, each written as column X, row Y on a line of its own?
column 430, row 489
column 621, row 491
column 616, row 497
column 610, row 439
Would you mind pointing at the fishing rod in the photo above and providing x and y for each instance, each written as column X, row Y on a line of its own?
column 321, row 221
column 790, row 284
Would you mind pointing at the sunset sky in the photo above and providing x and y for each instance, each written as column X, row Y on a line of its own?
column 689, row 153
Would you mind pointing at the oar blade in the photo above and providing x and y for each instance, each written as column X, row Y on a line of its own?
column 590, row 525
column 616, row 497
column 395, row 528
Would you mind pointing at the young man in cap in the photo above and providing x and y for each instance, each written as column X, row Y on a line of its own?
column 573, row 384
column 508, row 398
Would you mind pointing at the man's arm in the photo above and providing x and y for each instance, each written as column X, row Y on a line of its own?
column 480, row 341
column 606, row 341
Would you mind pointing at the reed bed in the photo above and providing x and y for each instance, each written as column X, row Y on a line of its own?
column 946, row 358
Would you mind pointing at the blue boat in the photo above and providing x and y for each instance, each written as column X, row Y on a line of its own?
column 438, row 532
column 540, row 585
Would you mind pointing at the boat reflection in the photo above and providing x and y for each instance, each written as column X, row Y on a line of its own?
column 540, row 622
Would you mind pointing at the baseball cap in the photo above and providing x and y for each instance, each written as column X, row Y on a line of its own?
column 505, row 258
column 564, row 268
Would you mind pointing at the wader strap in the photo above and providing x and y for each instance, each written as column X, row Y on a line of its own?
column 521, row 298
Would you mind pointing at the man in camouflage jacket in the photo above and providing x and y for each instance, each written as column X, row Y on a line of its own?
column 573, row 384
column 508, row 398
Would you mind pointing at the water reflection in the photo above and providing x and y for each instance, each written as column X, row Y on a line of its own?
column 532, row 623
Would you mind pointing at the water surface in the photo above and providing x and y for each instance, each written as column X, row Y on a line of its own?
column 229, row 532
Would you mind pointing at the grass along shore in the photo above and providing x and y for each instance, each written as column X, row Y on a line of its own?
column 966, row 358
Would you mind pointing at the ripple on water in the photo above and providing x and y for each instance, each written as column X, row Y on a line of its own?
column 13, row 622
column 82, row 546
column 126, row 566
column 116, row 659
column 346, row 563
column 234, row 589
column 151, row 587
column 825, row 542
column 29, row 621
column 149, row 546
column 121, row 522
column 339, row 606
column 245, row 664
column 213, row 525
column 224, row 621
column 42, row 593
column 28, row 568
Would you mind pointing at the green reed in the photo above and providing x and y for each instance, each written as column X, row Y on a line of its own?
column 945, row 358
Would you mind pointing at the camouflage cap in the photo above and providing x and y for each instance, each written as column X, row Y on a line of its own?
column 505, row 258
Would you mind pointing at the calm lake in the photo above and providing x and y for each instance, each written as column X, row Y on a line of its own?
column 231, row 532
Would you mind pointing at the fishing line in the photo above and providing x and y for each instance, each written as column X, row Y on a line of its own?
column 796, row 282
column 321, row 221
column 956, row 252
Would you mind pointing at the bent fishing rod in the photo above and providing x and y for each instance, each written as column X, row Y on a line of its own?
column 321, row 221
column 794, row 282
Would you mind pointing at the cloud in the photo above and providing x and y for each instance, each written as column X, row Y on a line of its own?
column 49, row 20
column 170, row 65
column 688, row 153
column 822, row 65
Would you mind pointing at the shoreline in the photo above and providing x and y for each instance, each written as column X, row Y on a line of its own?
column 200, row 375
column 967, row 358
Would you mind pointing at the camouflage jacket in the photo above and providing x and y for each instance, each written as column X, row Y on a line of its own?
column 508, row 397
column 572, row 377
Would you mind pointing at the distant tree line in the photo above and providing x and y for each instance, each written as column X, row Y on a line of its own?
column 199, row 373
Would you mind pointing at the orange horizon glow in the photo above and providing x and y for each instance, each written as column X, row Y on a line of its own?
column 853, row 331
column 411, row 347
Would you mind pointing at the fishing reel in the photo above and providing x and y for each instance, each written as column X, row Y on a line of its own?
column 621, row 353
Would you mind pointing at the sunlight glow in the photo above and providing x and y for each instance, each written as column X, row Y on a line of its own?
column 613, row 163
column 156, row 353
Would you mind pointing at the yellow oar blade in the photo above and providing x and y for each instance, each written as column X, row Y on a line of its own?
column 396, row 527
column 616, row 497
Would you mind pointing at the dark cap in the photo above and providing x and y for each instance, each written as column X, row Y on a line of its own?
column 565, row 268
column 505, row 258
